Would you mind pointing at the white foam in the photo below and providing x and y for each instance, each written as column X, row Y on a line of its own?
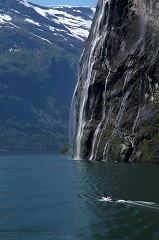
column 143, row 204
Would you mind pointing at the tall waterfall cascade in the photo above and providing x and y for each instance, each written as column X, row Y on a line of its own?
column 115, row 113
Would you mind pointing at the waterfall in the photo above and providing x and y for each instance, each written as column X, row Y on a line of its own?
column 100, row 128
column 142, row 8
column 89, row 75
column 120, row 112
column 139, row 109
column 98, row 132
column 112, row 94
column 87, row 71
column 140, row 44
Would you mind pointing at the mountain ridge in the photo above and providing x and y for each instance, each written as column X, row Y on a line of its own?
column 38, row 69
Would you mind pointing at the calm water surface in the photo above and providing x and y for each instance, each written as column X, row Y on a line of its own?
column 48, row 197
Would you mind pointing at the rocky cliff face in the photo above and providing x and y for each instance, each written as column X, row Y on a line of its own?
column 115, row 104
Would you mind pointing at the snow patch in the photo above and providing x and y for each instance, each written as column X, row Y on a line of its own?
column 40, row 11
column 93, row 9
column 40, row 37
column 14, row 25
column 15, row 11
column 25, row 2
column 77, row 11
column 77, row 26
column 5, row 18
column 13, row 50
column 40, row 29
column 31, row 21
column 52, row 28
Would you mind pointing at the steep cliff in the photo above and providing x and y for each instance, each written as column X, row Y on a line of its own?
column 115, row 104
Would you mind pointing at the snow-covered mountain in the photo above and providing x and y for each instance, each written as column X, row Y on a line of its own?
column 40, row 49
column 66, row 24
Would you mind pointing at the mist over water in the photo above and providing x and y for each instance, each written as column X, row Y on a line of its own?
column 51, row 197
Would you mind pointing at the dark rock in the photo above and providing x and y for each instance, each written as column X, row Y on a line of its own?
column 127, row 149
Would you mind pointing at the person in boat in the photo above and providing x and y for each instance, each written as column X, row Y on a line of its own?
column 105, row 196
column 111, row 198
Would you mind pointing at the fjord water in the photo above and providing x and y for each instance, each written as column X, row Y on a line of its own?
column 49, row 197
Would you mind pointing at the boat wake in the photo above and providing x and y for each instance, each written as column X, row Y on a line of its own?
column 142, row 204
